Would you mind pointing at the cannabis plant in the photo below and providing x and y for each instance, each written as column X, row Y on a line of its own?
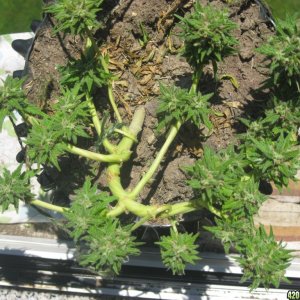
column 283, row 51
column 225, row 183
column 207, row 34
column 279, row 117
column 270, row 145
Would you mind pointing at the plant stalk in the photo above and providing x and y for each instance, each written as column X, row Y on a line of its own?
column 134, row 128
column 171, row 135
column 110, row 91
column 110, row 158
column 91, row 42
column 97, row 124
column 49, row 206
column 196, row 79
column 94, row 115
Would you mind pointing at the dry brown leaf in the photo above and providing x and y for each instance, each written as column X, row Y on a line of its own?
column 145, row 79
column 234, row 104
column 134, row 70
column 123, row 83
column 227, row 113
column 116, row 63
column 150, row 56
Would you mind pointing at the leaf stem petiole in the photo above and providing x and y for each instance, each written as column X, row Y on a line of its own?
column 110, row 158
column 49, row 206
column 110, row 91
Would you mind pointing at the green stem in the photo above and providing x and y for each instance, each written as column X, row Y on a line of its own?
column 174, row 227
column 213, row 210
column 114, row 181
column 91, row 42
column 140, row 223
column 117, row 210
column 181, row 208
column 111, row 148
column 110, row 158
column 113, row 102
column 30, row 119
column 215, row 68
column 110, row 91
column 113, row 170
column 97, row 124
column 49, row 206
column 171, row 135
column 94, row 114
column 128, row 204
column 124, row 132
column 196, row 78
column 150, row 211
column 134, row 128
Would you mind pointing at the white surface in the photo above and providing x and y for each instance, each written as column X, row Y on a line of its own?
column 150, row 289
column 11, row 61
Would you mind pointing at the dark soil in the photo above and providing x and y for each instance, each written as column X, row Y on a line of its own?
column 141, row 69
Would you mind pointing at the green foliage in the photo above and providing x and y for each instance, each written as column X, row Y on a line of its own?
column 87, row 71
column 143, row 41
column 207, row 34
column 12, row 98
column 75, row 16
column 273, row 160
column 21, row 12
column 231, row 231
column 280, row 117
column 245, row 200
column 270, row 143
column 177, row 250
column 107, row 130
column 177, row 104
column 109, row 246
column 44, row 144
column 264, row 261
column 283, row 50
column 14, row 186
column 220, row 183
column 88, row 208
column 107, row 243
column 71, row 116
column 226, row 183
column 214, row 177
column 47, row 138
column 283, row 116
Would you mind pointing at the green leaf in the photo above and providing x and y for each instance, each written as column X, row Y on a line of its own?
column 86, row 72
column 207, row 35
column 177, row 104
column 283, row 51
column 89, row 208
column 263, row 260
column 14, row 186
column 75, row 16
column 12, row 98
column 177, row 250
column 214, row 177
